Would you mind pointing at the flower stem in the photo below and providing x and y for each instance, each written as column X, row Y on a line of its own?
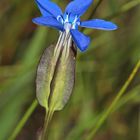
column 48, row 117
column 107, row 112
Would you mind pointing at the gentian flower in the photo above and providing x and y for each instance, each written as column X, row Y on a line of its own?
column 69, row 22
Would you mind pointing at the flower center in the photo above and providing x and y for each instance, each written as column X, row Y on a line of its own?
column 67, row 27
column 69, row 21
column 65, row 39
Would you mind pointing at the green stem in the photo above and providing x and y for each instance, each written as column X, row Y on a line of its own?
column 97, row 5
column 107, row 112
column 48, row 117
column 126, row 7
column 23, row 120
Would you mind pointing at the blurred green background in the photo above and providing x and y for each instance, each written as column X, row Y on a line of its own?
column 100, row 73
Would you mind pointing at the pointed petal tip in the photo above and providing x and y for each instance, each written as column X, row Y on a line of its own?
column 84, row 48
column 113, row 26
column 34, row 20
column 81, row 41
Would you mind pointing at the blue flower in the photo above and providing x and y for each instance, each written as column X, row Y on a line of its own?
column 69, row 22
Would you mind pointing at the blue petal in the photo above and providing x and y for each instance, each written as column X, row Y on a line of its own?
column 48, row 7
column 48, row 21
column 99, row 24
column 78, row 7
column 82, row 41
column 42, row 10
